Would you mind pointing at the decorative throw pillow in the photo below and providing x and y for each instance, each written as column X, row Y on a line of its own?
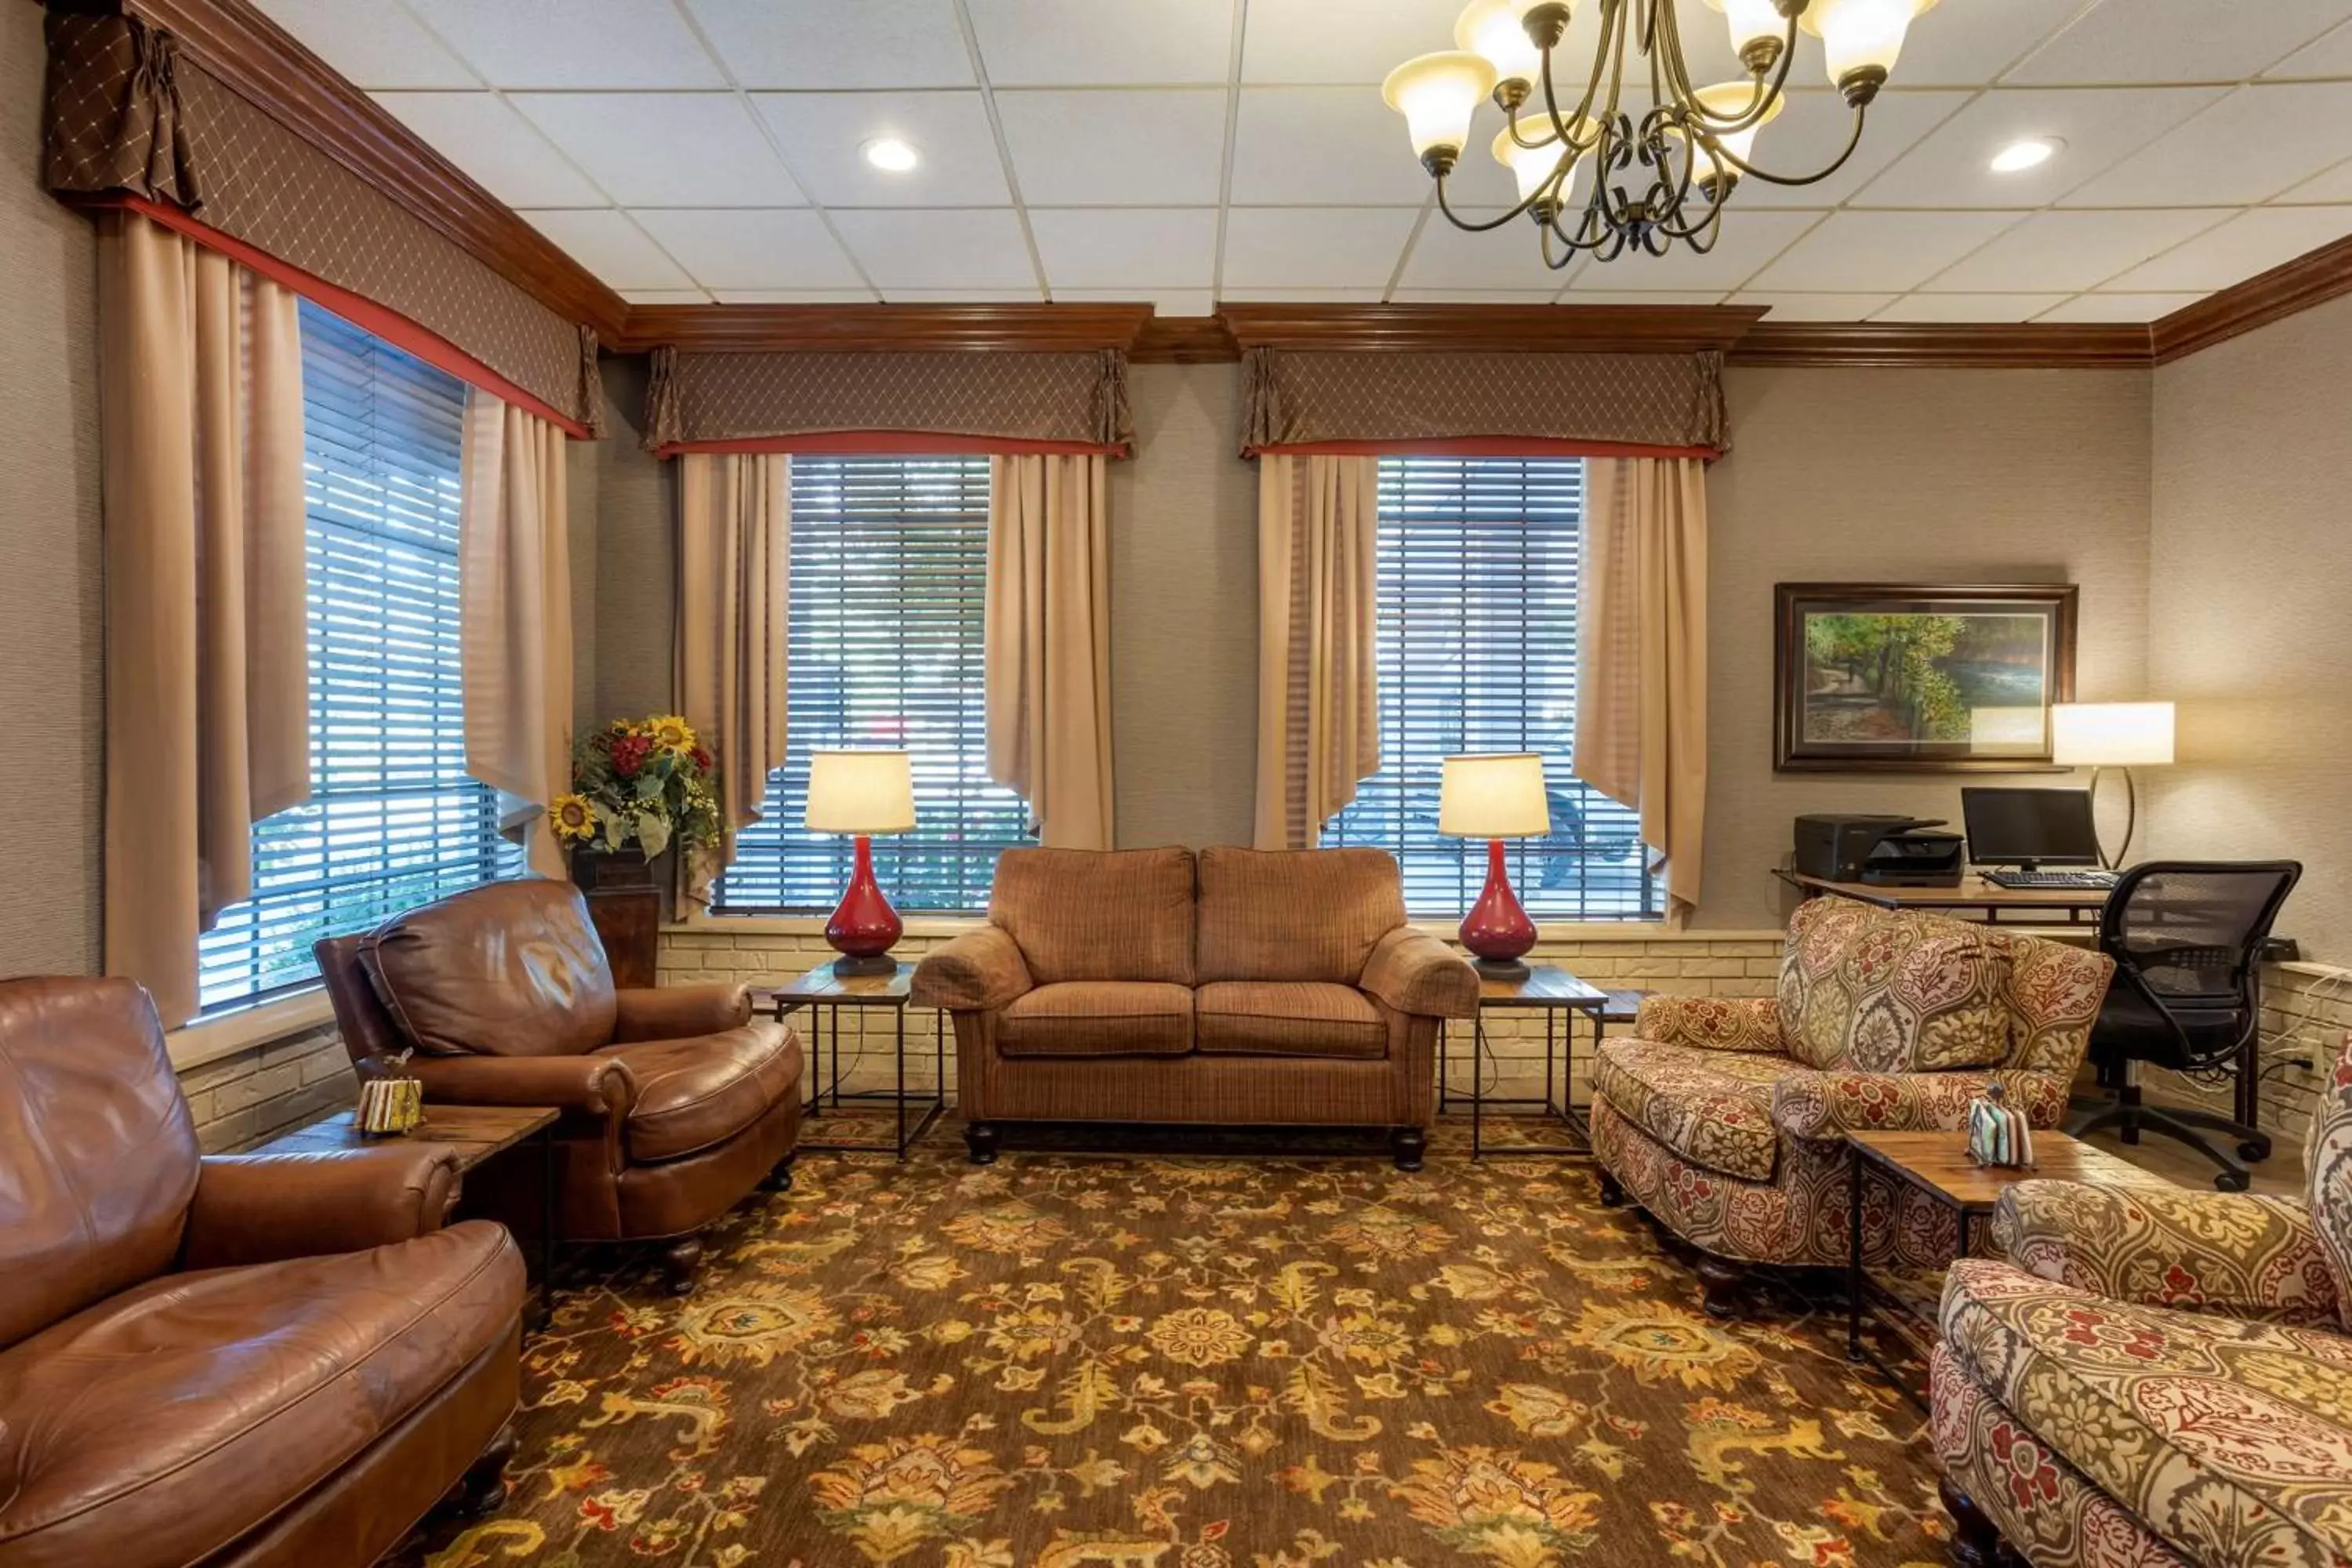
column 2330, row 1160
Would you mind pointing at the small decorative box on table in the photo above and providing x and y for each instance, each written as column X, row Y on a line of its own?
column 824, row 994
column 1556, row 995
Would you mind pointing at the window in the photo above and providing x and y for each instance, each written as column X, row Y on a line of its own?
column 393, row 820
column 1478, row 574
column 889, row 573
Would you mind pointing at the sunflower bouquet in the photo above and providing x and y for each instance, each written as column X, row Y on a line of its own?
column 639, row 786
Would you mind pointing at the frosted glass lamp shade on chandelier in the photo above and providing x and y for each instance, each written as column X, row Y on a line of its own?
column 1496, row 797
column 861, row 794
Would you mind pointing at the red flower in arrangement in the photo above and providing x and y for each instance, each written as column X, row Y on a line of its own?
column 629, row 754
column 701, row 759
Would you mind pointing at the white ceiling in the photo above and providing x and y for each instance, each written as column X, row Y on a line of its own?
column 1187, row 150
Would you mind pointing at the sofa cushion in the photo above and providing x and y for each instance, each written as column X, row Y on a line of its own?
column 510, row 969
column 1712, row 1108
column 1883, row 991
column 699, row 1092
column 159, row 1425
column 1098, row 1018
column 2231, row 1439
column 1290, row 1018
column 2328, row 1158
column 1295, row 914
column 1086, row 914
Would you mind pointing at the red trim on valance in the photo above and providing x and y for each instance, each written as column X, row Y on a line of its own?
column 893, row 443
column 1478, row 447
column 360, row 311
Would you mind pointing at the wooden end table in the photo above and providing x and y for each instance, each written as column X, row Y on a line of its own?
column 824, row 995
column 1938, row 1164
column 1559, row 996
column 479, row 1134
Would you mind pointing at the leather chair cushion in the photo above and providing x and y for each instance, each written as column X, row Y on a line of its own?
column 1086, row 914
column 1098, row 1018
column 1290, row 1018
column 1295, row 914
column 697, row 1092
column 164, row 1423
column 510, row 969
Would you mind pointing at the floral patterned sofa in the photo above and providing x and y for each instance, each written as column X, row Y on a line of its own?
column 1726, row 1119
column 2157, row 1378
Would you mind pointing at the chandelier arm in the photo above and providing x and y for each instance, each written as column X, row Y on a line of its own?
column 1730, row 160
column 1610, row 23
column 1760, row 106
column 1469, row 227
column 1566, row 143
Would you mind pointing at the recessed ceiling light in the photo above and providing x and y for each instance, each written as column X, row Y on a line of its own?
column 2029, row 154
column 889, row 153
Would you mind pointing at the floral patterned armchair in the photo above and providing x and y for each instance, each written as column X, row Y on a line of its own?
column 1726, row 1119
column 2157, row 1377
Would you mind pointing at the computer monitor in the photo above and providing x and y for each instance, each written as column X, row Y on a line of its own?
column 2030, row 827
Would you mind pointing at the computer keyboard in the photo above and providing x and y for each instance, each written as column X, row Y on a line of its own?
column 2065, row 881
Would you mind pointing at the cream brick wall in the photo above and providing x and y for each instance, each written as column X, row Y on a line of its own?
column 2306, row 1013
column 254, row 1095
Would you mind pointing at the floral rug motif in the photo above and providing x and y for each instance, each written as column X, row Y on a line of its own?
column 1075, row 1361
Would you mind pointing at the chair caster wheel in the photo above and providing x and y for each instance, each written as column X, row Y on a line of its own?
column 2233, row 1181
column 2255, row 1151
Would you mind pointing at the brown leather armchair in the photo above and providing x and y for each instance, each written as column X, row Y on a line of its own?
column 240, row 1361
column 676, row 1103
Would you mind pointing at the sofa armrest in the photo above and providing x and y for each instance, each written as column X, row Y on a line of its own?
column 258, row 1209
column 2162, row 1245
column 1828, row 1105
column 978, row 972
column 594, row 1086
column 1750, row 1023
column 679, row 1012
column 1412, row 971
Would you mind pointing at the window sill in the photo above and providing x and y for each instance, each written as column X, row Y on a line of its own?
column 233, row 1034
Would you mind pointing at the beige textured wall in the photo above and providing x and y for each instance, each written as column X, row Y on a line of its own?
column 51, row 680
column 2249, row 633
column 635, row 555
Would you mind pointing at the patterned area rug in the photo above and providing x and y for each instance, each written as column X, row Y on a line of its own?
column 1078, row 1361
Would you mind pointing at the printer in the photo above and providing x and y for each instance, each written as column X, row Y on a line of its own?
column 1885, row 851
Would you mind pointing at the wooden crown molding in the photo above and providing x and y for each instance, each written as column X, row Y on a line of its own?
column 891, row 329
column 1893, row 344
column 1493, row 329
column 2309, row 279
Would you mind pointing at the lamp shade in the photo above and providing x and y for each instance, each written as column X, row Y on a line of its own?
column 2110, row 734
column 1437, row 95
column 1533, row 167
column 860, row 792
column 1752, row 22
column 1862, row 35
column 1497, row 795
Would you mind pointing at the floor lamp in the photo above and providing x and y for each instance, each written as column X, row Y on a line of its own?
column 2121, row 735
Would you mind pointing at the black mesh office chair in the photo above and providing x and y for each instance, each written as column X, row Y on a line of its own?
column 2186, row 938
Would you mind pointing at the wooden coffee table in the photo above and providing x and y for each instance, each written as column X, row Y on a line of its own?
column 825, row 995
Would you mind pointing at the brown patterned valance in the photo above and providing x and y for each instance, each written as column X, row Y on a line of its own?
column 131, row 116
column 1298, row 398
column 1024, row 400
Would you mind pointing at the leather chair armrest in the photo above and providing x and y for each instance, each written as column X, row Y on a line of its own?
column 1712, row 1023
column 258, row 1209
column 1826, row 1105
column 978, row 972
column 1412, row 972
column 679, row 1012
column 595, row 1086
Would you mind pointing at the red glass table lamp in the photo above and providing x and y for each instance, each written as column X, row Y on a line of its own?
column 861, row 794
column 1496, row 797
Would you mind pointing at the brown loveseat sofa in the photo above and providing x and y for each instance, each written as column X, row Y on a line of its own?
column 242, row 1362
column 676, row 1102
column 1245, row 988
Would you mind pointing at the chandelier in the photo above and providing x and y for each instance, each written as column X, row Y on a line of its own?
column 1660, row 169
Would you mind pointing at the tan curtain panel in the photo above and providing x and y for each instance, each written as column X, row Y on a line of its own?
column 1318, row 722
column 733, row 587
column 514, row 617
column 1303, row 398
column 1047, row 643
column 1641, row 688
column 1078, row 398
column 207, row 671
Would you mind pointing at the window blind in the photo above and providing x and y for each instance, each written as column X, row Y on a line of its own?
column 393, row 820
column 889, row 574
column 1478, row 576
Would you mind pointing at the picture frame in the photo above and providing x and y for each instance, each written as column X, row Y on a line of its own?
column 1920, row 677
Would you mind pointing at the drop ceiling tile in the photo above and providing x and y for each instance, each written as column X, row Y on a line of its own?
column 370, row 46
column 2252, row 144
column 1339, row 145
column 1312, row 40
column 1105, row 247
column 1628, row 297
column 1878, row 252
column 2177, row 40
column 797, row 297
column 617, row 250
column 1818, row 307
column 551, row 44
column 2064, row 252
column 1029, row 296
column 824, row 134
column 1086, row 149
column 1957, row 45
column 1313, row 247
column 826, row 44
column 1473, row 296
column 665, row 149
column 1163, row 301
column 1959, row 308
column 2118, row 310
column 480, row 133
column 1511, row 257
column 959, row 250
column 2335, row 185
column 2250, row 243
column 734, row 248
column 1748, row 242
column 666, row 296
column 1101, row 43
column 2100, row 127
column 2328, row 57
column 1815, row 129
column 1249, row 296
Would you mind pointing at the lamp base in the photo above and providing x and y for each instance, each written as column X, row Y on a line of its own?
column 865, row 927
column 1497, row 931
column 1509, row 969
column 865, row 963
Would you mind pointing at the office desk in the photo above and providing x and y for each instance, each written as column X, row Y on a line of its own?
column 1974, row 896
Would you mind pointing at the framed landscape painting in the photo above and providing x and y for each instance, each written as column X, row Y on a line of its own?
column 1875, row 677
